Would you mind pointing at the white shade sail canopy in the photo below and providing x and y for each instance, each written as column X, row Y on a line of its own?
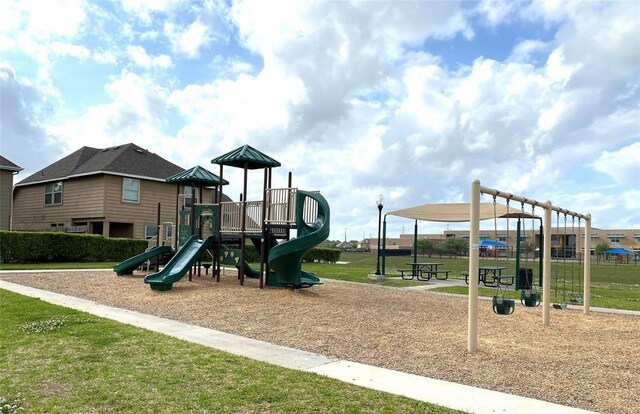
column 458, row 212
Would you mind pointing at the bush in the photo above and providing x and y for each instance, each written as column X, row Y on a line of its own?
column 320, row 254
column 44, row 247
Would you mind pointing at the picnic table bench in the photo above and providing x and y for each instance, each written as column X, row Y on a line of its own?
column 424, row 271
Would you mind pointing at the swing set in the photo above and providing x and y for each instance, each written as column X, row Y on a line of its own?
column 528, row 291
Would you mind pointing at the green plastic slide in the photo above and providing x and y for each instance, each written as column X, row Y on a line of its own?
column 128, row 266
column 285, row 259
column 179, row 265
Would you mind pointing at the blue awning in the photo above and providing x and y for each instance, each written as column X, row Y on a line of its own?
column 618, row 250
column 492, row 243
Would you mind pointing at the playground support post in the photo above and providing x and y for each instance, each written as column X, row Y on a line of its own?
column 474, row 250
column 546, row 266
column 243, row 228
column 263, row 234
column 158, row 235
column 586, row 296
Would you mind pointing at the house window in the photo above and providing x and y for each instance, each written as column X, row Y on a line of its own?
column 130, row 190
column 150, row 231
column 187, row 196
column 53, row 193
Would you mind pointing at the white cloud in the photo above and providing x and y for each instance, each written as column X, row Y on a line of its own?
column 144, row 9
column 526, row 49
column 497, row 11
column 237, row 108
column 25, row 111
column 140, row 57
column 623, row 165
column 190, row 40
column 136, row 113
column 48, row 19
column 68, row 49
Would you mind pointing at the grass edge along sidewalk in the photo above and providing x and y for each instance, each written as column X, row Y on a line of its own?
column 55, row 359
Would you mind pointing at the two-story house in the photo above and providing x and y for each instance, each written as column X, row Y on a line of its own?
column 7, row 171
column 110, row 191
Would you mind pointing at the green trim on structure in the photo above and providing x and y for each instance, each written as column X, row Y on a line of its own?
column 196, row 174
column 246, row 156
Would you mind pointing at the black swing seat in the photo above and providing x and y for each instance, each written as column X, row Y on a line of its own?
column 502, row 306
column 529, row 298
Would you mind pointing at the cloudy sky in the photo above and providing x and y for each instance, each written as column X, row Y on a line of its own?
column 412, row 99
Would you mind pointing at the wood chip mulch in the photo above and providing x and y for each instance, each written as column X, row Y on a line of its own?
column 585, row 361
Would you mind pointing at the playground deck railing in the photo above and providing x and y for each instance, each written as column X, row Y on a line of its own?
column 281, row 207
column 231, row 217
column 281, row 210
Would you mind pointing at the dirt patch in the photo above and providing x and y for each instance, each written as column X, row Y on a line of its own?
column 586, row 361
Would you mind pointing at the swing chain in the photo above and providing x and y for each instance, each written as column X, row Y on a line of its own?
column 508, row 199
column 495, row 224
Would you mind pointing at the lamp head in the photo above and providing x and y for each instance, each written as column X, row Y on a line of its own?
column 380, row 202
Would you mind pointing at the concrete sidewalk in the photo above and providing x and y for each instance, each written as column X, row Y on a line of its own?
column 447, row 394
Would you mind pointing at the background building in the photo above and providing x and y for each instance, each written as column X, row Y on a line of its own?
column 7, row 171
column 110, row 191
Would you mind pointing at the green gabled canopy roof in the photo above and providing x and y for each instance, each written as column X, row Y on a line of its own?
column 248, row 155
column 196, row 174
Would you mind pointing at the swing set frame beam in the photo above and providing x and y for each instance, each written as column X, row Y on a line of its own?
column 474, row 253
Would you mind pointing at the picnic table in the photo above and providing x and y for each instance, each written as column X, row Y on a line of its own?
column 492, row 276
column 424, row 271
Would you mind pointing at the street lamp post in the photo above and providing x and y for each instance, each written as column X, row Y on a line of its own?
column 380, row 204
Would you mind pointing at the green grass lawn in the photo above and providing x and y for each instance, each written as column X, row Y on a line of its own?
column 57, row 360
column 612, row 285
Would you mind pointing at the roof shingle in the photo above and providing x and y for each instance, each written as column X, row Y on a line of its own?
column 196, row 174
column 246, row 155
column 128, row 159
column 5, row 164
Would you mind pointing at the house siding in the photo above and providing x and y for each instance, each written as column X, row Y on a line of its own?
column 81, row 198
column 97, row 201
column 6, row 185
column 143, row 212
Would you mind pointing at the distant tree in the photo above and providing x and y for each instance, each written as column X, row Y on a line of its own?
column 455, row 245
column 601, row 247
column 333, row 243
column 527, row 247
column 425, row 246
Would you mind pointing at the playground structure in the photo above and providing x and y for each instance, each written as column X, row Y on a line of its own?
column 548, row 207
column 207, row 229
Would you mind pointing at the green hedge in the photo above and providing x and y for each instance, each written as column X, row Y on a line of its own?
column 43, row 247
column 321, row 254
